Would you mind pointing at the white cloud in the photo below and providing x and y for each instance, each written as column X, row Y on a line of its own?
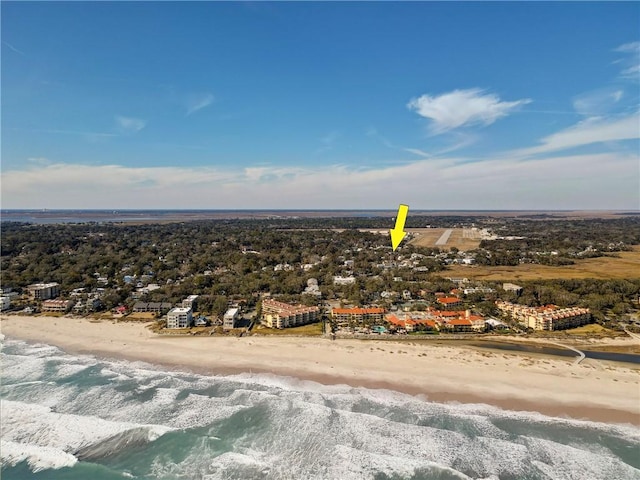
column 632, row 47
column 590, row 131
column 462, row 108
column 631, row 71
column 597, row 102
column 631, row 60
column 601, row 181
column 38, row 161
column 198, row 102
column 12, row 48
column 456, row 141
column 417, row 151
column 130, row 124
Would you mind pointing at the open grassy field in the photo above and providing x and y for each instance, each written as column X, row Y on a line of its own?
column 461, row 238
column 311, row 330
column 146, row 316
column 625, row 265
column 590, row 330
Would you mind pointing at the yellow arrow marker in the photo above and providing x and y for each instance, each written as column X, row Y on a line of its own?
column 398, row 233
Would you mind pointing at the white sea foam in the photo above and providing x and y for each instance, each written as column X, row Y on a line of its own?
column 37, row 457
column 282, row 427
column 36, row 427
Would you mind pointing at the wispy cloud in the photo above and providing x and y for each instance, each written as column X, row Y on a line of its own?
column 418, row 152
column 198, row 102
column 459, row 143
column 598, row 102
column 631, row 47
column 12, row 48
column 328, row 142
column 461, row 108
column 130, row 124
column 42, row 161
column 67, row 132
column 590, row 181
column 448, row 143
column 631, row 60
column 590, row 131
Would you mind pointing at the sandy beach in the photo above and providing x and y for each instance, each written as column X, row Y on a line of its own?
column 594, row 390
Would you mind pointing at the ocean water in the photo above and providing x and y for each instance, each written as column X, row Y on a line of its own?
column 78, row 417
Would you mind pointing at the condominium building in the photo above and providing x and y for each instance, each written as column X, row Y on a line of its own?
column 283, row 315
column 548, row 317
column 179, row 318
column 190, row 302
column 357, row 314
column 449, row 302
column 56, row 305
column 230, row 318
column 458, row 325
column 153, row 307
column 43, row 291
column 412, row 321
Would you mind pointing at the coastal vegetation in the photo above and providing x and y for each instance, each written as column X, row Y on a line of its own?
column 236, row 261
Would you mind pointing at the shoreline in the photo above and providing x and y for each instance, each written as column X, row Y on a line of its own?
column 593, row 390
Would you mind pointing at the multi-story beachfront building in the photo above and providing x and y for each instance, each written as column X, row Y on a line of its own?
column 5, row 302
column 43, row 291
column 357, row 314
column 548, row 317
column 190, row 302
column 411, row 321
column 56, row 305
column 153, row 307
column 449, row 320
column 283, row 315
column 179, row 318
column 230, row 318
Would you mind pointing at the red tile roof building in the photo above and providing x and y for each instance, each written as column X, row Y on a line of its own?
column 356, row 314
column 449, row 302
column 411, row 324
column 450, row 320
column 548, row 317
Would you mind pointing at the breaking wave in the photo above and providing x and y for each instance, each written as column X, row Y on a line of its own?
column 78, row 416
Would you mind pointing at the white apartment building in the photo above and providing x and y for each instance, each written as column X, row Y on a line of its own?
column 190, row 302
column 282, row 315
column 179, row 318
column 43, row 291
column 5, row 302
column 230, row 318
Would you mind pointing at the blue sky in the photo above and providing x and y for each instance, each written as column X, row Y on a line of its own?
column 320, row 105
